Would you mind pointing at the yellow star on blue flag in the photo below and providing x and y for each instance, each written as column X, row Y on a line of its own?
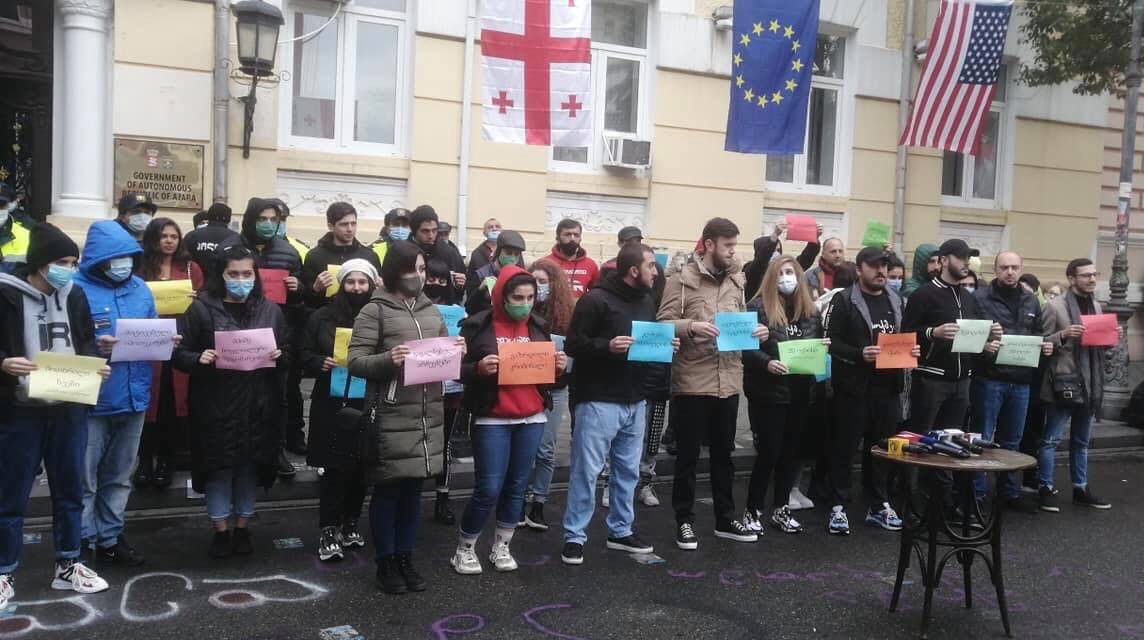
column 771, row 63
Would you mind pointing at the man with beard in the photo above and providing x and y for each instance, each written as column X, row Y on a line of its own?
column 821, row 276
column 582, row 271
column 927, row 266
column 424, row 224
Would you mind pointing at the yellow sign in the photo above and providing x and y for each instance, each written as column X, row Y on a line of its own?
column 65, row 378
column 171, row 173
column 333, row 270
column 342, row 346
column 172, row 297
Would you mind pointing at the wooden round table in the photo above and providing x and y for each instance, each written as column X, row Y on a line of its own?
column 964, row 537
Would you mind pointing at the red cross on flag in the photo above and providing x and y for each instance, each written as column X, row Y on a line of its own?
column 537, row 71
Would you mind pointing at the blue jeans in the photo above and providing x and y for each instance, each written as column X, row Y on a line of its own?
column 235, row 487
column 1056, row 418
column 112, row 450
column 393, row 514
column 502, row 459
column 998, row 410
column 57, row 435
column 546, row 454
column 602, row 427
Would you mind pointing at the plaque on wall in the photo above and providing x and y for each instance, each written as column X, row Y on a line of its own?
column 169, row 172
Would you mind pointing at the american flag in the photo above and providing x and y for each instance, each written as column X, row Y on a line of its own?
column 960, row 75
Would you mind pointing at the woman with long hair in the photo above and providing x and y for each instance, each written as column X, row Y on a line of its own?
column 777, row 400
column 164, row 258
column 554, row 303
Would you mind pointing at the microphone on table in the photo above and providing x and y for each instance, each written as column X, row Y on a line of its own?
column 981, row 442
column 947, row 448
column 909, row 448
column 966, row 443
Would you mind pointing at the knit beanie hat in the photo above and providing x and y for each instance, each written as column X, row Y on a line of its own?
column 359, row 265
column 46, row 244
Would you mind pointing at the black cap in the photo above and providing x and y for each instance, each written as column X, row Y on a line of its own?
column 133, row 201
column 46, row 244
column 399, row 213
column 509, row 239
column 630, row 233
column 872, row 255
column 219, row 212
column 957, row 247
column 444, row 227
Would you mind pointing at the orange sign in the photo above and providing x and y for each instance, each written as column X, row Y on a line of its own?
column 897, row 351
column 527, row 363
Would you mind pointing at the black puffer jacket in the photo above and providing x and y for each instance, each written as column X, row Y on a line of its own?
column 275, row 253
column 324, row 254
column 317, row 345
column 759, row 384
column 607, row 311
column 236, row 416
column 1020, row 314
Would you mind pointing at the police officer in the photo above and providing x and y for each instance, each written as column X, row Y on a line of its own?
column 13, row 233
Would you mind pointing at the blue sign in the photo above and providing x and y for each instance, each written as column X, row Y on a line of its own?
column 338, row 384
column 735, row 328
column 652, row 342
column 452, row 315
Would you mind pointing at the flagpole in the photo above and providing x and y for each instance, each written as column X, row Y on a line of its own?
column 903, row 117
column 466, row 129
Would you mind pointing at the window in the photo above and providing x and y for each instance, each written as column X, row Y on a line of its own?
column 819, row 165
column 619, row 83
column 346, row 76
column 972, row 180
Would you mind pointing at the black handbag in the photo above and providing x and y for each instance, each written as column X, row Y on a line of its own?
column 355, row 430
column 1068, row 390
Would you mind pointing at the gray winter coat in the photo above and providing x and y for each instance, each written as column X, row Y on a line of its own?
column 411, row 434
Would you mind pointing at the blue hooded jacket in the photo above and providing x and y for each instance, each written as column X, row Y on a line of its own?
column 128, row 390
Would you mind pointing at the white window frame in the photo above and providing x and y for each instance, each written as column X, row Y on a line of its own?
column 1003, row 176
column 601, row 52
column 843, row 126
column 346, row 24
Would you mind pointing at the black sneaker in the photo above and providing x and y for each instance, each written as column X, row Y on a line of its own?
column 283, row 466
column 389, row 576
column 413, row 580
column 573, row 553
column 350, row 536
column 1086, row 498
column 737, row 531
column 1021, row 504
column 535, row 517
column 161, row 478
column 330, row 545
column 121, row 553
column 241, row 541
column 1048, row 499
column 220, row 545
column 630, row 544
column 685, row 537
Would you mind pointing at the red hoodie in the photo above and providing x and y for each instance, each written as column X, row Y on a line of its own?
column 581, row 270
column 515, row 400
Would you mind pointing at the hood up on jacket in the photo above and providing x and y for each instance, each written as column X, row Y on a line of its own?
column 106, row 240
column 255, row 206
column 506, row 274
column 918, row 276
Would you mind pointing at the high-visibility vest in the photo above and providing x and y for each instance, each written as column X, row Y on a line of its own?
column 299, row 246
column 15, row 250
column 380, row 248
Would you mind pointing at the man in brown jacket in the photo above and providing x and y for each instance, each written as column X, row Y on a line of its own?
column 705, row 382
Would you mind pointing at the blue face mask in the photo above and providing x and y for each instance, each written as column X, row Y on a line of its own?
column 239, row 289
column 399, row 233
column 59, row 276
column 281, row 233
column 119, row 269
column 894, row 283
column 493, row 235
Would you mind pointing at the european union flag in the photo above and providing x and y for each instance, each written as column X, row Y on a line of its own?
column 772, row 63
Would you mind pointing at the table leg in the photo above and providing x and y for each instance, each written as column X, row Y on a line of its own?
column 998, row 576
column 936, row 520
column 903, row 564
column 969, row 507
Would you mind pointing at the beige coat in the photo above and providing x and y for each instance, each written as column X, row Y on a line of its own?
column 1069, row 357
column 694, row 295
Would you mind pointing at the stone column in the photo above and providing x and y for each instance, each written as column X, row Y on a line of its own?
column 85, row 152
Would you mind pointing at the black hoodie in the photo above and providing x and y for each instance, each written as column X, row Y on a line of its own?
column 274, row 253
column 325, row 254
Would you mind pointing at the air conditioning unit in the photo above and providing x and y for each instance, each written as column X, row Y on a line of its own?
column 627, row 152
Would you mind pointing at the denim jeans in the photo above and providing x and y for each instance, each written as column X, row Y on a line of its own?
column 546, row 454
column 604, row 430
column 393, row 514
column 1056, row 419
column 112, row 449
column 235, row 487
column 502, row 459
column 998, row 410
column 57, row 435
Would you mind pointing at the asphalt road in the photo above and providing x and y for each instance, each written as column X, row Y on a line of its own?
column 1077, row 574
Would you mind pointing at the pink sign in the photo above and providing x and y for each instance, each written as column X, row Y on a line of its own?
column 1099, row 331
column 802, row 228
column 245, row 350
column 432, row 360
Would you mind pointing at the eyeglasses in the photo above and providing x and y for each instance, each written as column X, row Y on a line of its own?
column 1088, row 276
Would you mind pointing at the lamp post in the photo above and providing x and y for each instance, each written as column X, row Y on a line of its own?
column 257, row 29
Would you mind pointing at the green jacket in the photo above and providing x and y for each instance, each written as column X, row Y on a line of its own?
column 411, row 434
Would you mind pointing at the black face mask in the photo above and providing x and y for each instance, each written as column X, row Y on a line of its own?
column 436, row 291
column 358, row 300
column 570, row 249
column 427, row 247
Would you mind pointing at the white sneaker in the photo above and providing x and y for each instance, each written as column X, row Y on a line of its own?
column 502, row 558
column 798, row 501
column 7, row 590
column 647, row 496
column 465, row 560
column 77, row 577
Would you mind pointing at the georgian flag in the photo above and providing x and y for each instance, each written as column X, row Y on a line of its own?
column 537, row 71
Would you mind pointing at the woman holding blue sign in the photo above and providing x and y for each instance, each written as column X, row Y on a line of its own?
column 777, row 397
column 334, row 449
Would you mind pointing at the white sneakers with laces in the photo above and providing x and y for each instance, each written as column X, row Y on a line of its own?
column 7, row 589
column 465, row 560
column 75, row 576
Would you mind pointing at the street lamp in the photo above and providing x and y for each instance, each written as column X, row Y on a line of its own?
column 257, row 29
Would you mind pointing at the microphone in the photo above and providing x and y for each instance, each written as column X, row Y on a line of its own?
column 909, row 448
column 968, row 444
column 988, row 444
column 945, row 447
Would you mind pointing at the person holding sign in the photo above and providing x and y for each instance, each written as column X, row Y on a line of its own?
column 866, row 403
column 777, row 400
column 610, row 401
column 116, row 423
column 337, row 450
column 236, row 416
column 334, row 248
column 768, row 246
column 508, row 419
column 41, row 311
column 1073, row 386
column 404, row 435
column 510, row 250
column 439, row 289
column 999, row 392
column 705, row 382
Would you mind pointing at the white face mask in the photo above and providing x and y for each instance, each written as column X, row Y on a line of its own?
column 787, row 284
